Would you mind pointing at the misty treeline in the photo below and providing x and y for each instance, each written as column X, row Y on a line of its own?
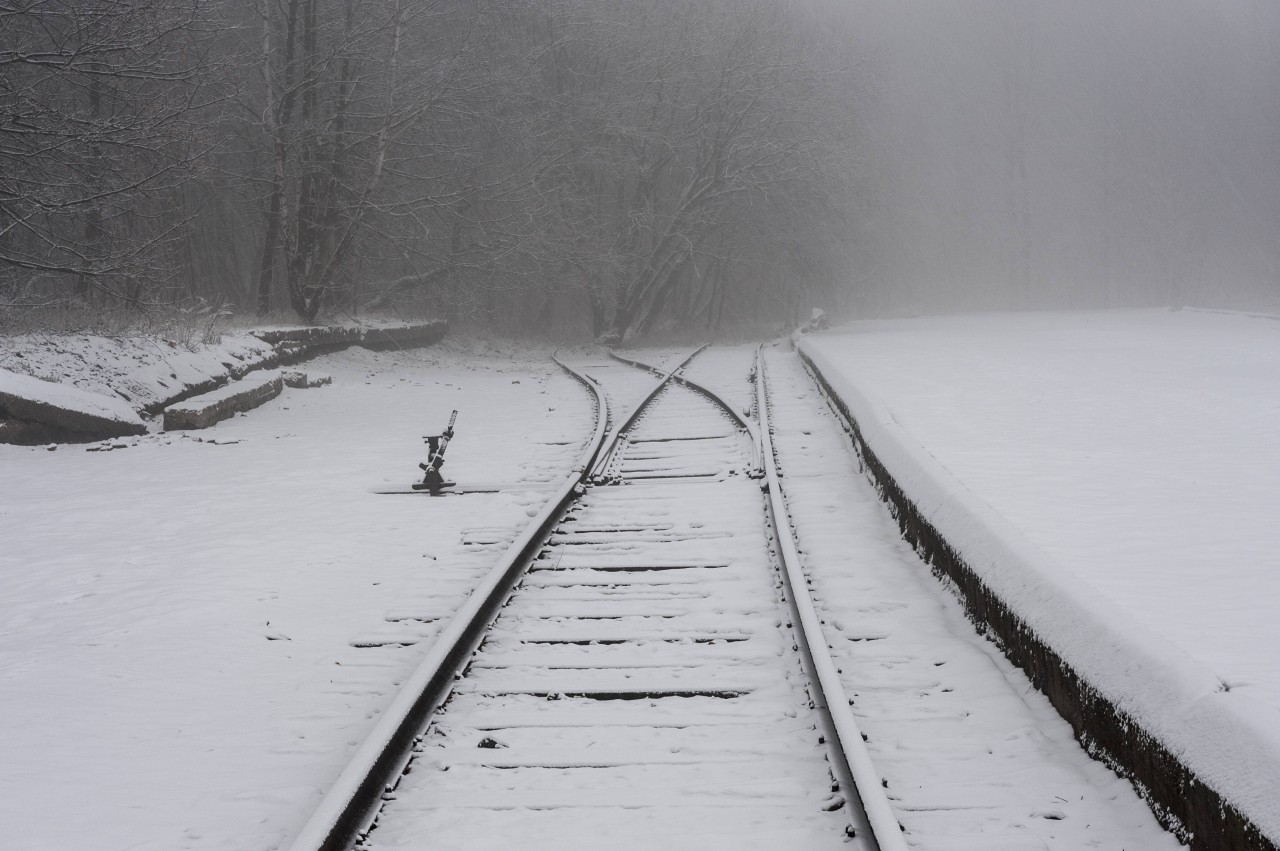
column 609, row 165
column 1078, row 153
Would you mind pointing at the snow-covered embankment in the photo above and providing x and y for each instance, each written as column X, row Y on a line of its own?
column 97, row 387
column 1207, row 757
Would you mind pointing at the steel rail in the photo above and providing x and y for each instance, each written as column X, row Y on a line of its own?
column 648, row 367
column 606, row 458
column 847, row 741
column 870, row 811
column 351, row 805
column 739, row 417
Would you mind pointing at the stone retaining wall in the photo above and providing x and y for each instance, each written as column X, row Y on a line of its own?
column 34, row 411
column 300, row 343
column 294, row 345
column 25, row 421
column 204, row 411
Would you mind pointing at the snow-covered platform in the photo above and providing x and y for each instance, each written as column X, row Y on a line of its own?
column 1102, row 487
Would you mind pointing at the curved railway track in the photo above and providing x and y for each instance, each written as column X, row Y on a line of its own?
column 644, row 665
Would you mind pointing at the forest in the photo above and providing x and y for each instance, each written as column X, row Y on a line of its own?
column 600, row 167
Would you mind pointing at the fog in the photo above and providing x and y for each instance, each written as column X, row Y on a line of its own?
column 1068, row 154
column 622, row 167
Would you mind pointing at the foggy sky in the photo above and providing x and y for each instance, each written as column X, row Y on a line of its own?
column 1060, row 153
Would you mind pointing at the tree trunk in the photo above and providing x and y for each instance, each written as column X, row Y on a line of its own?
column 93, row 218
column 269, row 242
column 279, row 117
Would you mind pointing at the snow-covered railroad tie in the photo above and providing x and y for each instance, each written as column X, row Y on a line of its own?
column 643, row 682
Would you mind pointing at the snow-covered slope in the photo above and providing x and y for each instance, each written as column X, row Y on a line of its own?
column 142, row 371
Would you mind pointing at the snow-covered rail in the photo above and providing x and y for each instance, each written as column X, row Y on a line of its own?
column 741, row 417
column 631, row 669
column 852, row 764
column 351, row 804
column 846, row 740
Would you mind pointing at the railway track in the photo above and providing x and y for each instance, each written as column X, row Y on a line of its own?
column 644, row 667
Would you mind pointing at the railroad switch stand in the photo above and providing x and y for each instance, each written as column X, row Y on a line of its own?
column 433, row 481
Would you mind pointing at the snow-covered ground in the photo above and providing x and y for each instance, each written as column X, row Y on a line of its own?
column 1114, row 476
column 142, row 371
column 198, row 628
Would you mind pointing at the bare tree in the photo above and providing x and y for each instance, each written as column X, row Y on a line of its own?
column 691, row 128
column 100, row 104
column 379, row 146
column 510, row 161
